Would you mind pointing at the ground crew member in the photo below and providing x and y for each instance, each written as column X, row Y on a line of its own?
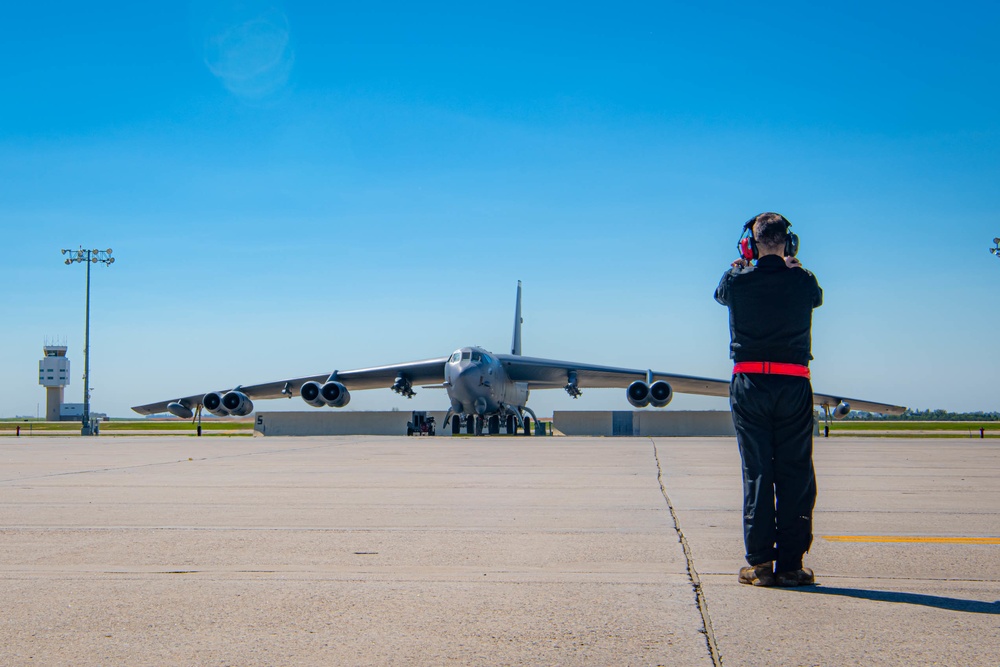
column 770, row 322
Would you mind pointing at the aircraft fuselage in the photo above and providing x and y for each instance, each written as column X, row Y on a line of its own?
column 477, row 384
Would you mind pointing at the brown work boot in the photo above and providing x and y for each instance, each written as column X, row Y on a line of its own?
column 801, row 577
column 758, row 575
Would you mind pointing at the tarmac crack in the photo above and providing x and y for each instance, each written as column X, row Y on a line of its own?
column 699, row 592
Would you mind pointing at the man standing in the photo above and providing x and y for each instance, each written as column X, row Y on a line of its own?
column 770, row 322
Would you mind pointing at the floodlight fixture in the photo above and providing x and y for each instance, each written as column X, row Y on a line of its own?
column 87, row 257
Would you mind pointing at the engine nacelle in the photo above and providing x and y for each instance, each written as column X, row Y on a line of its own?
column 178, row 409
column 638, row 394
column 841, row 410
column 335, row 394
column 213, row 403
column 237, row 403
column 310, row 393
column 660, row 394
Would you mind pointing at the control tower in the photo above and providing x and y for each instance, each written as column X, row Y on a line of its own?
column 53, row 374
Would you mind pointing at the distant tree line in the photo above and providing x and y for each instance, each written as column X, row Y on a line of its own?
column 929, row 416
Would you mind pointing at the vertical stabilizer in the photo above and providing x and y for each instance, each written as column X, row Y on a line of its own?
column 515, row 344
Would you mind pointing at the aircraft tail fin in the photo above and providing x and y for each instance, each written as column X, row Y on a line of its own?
column 515, row 345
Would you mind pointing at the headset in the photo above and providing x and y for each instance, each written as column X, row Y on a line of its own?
column 747, row 244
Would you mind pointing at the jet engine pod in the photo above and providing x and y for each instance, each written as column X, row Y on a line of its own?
column 660, row 394
column 335, row 394
column 213, row 403
column 178, row 409
column 638, row 394
column 237, row 403
column 310, row 394
column 841, row 410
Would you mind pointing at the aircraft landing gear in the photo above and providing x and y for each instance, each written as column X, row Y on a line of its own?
column 529, row 421
column 826, row 421
column 505, row 422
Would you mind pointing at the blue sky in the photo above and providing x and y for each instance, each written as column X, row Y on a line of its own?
column 292, row 188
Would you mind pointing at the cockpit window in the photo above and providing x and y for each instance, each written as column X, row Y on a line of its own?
column 466, row 355
column 476, row 356
column 487, row 359
column 455, row 357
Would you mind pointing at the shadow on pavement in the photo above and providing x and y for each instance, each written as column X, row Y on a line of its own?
column 938, row 602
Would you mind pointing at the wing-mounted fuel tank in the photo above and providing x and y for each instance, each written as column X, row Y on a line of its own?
column 180, row 409
column 842, row 410
column 333, row 394
column 658, row 394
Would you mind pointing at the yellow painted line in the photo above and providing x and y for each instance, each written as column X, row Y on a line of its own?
column 920, row 540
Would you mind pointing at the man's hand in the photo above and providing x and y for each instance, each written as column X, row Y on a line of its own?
column 792, row 262
column 740, row 263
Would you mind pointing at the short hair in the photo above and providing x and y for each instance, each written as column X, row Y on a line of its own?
column 770, row 229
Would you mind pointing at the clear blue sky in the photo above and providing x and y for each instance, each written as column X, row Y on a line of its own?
column 297, row 187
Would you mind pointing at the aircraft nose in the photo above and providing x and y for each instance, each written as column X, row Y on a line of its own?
column 469, row 376
column 464, row 384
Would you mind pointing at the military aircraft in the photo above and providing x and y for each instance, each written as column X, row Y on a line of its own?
column 486, row 390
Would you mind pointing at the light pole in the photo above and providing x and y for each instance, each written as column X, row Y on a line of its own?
column 89, row 257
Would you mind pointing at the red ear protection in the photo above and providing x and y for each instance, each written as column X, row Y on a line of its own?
column 747, row 246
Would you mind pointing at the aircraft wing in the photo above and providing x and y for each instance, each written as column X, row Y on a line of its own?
column 378, row 377
column 831, row 401
column 550, row 373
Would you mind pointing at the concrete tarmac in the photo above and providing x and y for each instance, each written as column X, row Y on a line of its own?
column 373, row 550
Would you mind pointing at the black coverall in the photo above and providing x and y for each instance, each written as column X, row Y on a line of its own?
column 770, row 319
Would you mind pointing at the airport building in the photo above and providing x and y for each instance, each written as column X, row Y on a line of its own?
column 53, row 374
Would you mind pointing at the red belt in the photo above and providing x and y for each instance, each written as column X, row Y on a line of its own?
column 771, row 368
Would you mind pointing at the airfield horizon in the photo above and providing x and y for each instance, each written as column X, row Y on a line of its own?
column 216, row 427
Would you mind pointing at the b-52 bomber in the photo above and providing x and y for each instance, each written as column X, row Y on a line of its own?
column 486, row 390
